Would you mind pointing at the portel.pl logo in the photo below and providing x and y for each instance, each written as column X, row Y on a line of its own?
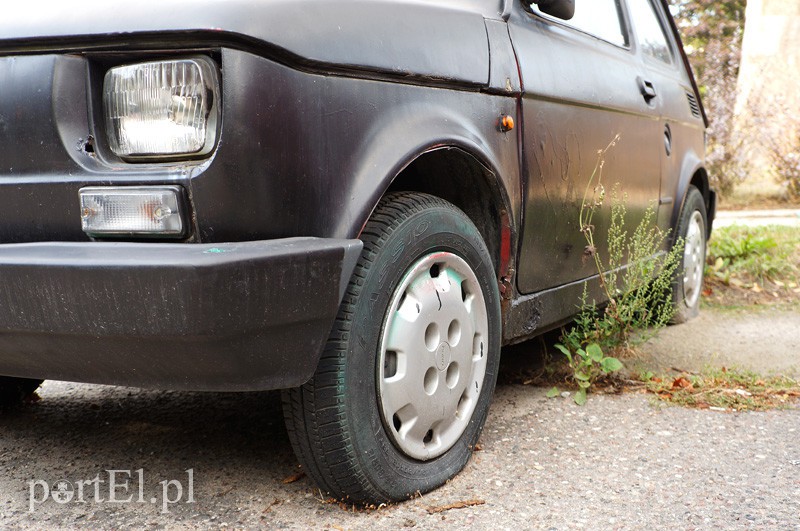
column 113, row 486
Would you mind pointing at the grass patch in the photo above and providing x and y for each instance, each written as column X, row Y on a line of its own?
column 724, row 389
column 753, row 265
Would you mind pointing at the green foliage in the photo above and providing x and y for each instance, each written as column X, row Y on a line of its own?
column 703, row 21
column 744, row 245
column 744, row 255
column 638, row 293
column 636, row 278
column 587, row 365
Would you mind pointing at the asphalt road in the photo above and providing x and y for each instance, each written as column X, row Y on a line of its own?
column 617, row 463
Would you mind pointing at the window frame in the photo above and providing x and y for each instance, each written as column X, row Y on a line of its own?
column 622, row 13
column 671, row 45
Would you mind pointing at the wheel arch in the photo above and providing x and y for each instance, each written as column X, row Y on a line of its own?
column 695, row 174
column 459, row 176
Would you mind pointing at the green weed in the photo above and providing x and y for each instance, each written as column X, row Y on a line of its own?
column 756, row 258
column 635, row 277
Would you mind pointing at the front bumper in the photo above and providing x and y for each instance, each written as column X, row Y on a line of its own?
column 233, row 316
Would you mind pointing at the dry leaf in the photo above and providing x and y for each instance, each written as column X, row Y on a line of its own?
column 457, row 505
column 294, row 477
column 682, row 383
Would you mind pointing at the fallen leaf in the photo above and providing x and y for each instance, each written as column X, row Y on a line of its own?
column 682, row 383
column 478, row 447
column 294, row 477
column 457, row 505
column 708, row 292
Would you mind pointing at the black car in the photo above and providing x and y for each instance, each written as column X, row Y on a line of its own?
column 356, row 201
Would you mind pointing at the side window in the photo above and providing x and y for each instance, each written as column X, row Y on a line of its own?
column 649, row 30
column 600, row 18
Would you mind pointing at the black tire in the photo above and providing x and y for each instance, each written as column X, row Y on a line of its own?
column 335, row 421
column 14, row 391
column 687, row 285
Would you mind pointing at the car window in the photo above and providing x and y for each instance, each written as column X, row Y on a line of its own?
column 649, row 30
column 600, row 18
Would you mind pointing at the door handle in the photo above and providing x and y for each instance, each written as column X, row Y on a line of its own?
column 647, row 89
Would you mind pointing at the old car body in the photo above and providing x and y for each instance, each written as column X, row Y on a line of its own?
column 323, row 109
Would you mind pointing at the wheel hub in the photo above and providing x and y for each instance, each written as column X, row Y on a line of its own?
column 432, row 359
column 694, row 256
column 443, row 356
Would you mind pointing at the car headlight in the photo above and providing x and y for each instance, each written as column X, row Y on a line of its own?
column 162, row 108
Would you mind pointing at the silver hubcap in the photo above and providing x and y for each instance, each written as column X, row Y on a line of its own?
column 694, row 256
column 432, row 355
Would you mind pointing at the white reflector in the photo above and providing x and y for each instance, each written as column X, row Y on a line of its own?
column 131, row 210
column 161, row 108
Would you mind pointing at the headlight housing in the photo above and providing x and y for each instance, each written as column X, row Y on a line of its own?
column 162, row 108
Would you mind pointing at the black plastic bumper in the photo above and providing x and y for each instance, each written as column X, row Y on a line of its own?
column 233, row 316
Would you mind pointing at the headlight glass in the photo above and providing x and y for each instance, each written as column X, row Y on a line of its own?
column 161, row 108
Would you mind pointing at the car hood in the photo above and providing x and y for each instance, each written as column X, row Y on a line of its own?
column 444, row 39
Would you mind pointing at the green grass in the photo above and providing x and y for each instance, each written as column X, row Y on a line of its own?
column 747, row 255
column 751, row 266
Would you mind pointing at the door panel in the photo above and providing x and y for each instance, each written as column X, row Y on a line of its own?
column 579, row 94
column 681, row 121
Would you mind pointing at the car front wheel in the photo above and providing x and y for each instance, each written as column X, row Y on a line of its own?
column 403, row 387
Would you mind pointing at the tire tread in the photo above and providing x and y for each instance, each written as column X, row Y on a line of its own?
column 310, row 410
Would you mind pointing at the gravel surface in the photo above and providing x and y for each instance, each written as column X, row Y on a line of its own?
column 764, row 340
column 619, row 462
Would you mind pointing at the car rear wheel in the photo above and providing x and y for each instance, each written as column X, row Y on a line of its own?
column 688, row 282
column 403, row 387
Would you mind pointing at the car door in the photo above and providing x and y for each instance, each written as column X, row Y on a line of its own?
column 681, row 120
column 582, row 92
